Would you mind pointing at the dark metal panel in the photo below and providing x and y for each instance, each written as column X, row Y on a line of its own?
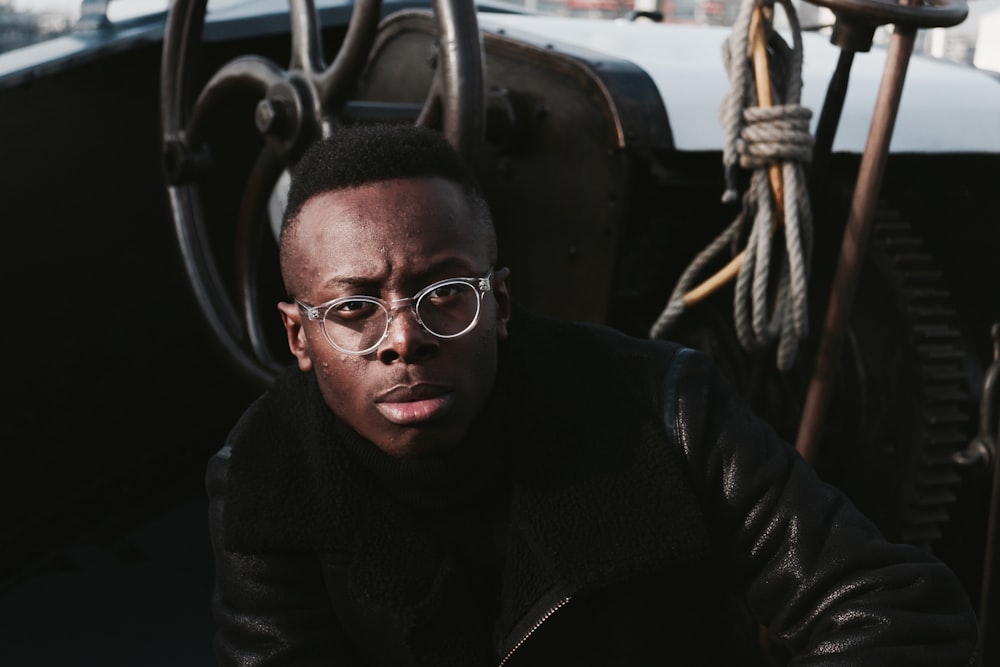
column 562, row 135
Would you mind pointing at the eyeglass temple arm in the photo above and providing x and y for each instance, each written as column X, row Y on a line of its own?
column 311, row 312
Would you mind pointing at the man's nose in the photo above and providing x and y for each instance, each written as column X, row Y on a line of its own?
column 407, row 340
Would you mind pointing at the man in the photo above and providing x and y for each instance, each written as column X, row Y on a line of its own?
column 443, row 479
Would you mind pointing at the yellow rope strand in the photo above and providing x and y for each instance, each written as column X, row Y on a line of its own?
column 762, row 79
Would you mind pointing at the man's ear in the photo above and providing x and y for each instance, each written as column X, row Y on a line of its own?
column 501, row 292
column 291, row 316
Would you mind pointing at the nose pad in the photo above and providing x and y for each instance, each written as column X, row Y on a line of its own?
column 406, row 338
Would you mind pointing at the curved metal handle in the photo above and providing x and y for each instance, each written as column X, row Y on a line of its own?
column 934, row 14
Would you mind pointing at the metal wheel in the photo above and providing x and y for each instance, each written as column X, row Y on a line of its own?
column 226, row 248
column 900, row 407
column 915, row 392
column 930, row 14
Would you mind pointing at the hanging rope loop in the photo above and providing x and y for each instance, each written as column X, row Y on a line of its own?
column 767, row 133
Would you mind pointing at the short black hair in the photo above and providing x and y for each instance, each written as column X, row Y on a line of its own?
column 356, row 155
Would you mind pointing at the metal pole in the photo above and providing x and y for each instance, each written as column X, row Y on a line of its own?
column 855, row 239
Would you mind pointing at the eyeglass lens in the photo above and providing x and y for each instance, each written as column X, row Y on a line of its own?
column 447, row 311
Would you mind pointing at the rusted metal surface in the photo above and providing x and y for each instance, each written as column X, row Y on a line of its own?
column 845, row 281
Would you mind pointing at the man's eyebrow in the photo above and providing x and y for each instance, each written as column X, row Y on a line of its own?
column 449, row 267
column 350, row 281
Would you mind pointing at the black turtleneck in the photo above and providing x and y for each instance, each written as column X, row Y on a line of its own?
column 460, row 496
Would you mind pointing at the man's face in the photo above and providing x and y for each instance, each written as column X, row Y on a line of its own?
column 415, row 393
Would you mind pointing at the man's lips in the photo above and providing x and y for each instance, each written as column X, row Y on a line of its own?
column 415, row 404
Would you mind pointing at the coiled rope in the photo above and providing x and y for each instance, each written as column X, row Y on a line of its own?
column 774, row 142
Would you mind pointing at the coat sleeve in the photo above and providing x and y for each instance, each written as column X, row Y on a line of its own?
column 813, row 568
column 270, row 609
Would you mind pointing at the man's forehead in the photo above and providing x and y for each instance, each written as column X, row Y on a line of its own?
column 373, row 193
column 405, row 229
column 391, row 203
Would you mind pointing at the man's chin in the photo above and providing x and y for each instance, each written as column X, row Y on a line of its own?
column 427, row 439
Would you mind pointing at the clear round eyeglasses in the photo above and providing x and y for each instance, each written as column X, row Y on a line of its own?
column 358, row 324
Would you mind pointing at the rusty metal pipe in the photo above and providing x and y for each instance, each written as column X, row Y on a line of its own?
column 829, row 118
column 855, row 240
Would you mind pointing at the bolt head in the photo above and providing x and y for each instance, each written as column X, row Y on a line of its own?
column 270, row 117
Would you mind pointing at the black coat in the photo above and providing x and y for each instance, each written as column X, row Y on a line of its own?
column 653, row 520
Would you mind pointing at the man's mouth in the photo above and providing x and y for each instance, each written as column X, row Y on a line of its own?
column 407, row 406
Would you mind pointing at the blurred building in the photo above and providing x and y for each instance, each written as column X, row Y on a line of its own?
column 976, row 41
column 20, row 28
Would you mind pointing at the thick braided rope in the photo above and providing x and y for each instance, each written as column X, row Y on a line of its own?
column 755, row 138
column 675, row 305
column 741, row 90
column 741, row 85
column 778, row 134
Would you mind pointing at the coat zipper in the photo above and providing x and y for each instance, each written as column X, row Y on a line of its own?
column 544, row 617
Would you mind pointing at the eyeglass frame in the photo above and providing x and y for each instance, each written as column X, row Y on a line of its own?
column 318, row 312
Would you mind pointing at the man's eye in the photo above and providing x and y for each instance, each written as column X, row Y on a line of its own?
column 445, row 292
column 352, row 310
